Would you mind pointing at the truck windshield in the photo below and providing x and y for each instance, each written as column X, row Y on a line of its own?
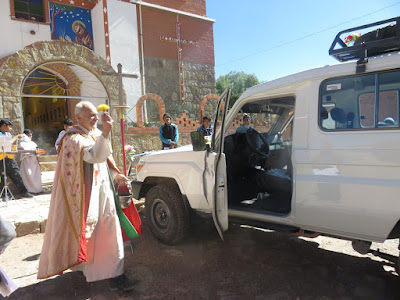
column 266, row 116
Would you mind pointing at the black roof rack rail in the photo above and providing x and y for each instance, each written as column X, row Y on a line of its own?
column 377, row 41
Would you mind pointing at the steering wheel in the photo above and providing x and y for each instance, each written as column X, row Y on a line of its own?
column 257, row 142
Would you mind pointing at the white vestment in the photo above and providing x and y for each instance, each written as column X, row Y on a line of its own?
column 105, row 252
column 103, row 230
column 30, row 167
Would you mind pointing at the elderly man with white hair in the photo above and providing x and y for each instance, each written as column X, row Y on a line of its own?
column 83, row 230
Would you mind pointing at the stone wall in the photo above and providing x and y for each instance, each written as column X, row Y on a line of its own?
column 143, row 142
column 149, row 142
column 162, row 79
column 199, row 81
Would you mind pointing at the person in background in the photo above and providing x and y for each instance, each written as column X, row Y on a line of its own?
column 206, row 128
column 83, row 231
column 11, row 165
column 29, row 166
column 67, row 124
column 245, row 126
column 169, row 134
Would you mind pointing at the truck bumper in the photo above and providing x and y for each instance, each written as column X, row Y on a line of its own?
column 136, row 186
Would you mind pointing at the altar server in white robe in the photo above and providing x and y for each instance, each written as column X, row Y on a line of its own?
column 83, row 230
column 30, row 167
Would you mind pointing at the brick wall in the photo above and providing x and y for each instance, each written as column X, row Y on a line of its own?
column 151, row 141
column 162, row 75
column 184, row 122
column 157, row 23
column 197, row 7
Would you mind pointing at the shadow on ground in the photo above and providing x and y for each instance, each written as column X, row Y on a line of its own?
column 249, row 264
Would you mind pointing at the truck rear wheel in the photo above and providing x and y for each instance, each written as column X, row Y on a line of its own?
column 166, row 214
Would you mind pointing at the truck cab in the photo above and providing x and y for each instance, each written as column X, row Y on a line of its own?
column 321, row 154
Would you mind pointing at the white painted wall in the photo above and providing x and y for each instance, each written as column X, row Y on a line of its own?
column 91, row 86
column 15, row 35
column 124, row 46
column 98, row 29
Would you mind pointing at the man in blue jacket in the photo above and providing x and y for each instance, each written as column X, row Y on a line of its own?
column 206, row 127
column 169, row 134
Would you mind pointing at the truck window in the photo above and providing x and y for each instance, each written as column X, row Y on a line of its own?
column 367, row 101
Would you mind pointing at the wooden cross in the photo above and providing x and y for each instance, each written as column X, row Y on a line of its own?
column 179, row 42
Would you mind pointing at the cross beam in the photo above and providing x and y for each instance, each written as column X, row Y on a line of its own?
column 179, row 42
column 121, row 107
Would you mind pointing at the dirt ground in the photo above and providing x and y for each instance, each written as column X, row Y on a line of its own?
column 250, row 264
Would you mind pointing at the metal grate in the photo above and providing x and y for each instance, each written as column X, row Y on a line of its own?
column 373, row 41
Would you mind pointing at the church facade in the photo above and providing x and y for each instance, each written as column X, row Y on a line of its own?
column 178, row 52
column 57, row 52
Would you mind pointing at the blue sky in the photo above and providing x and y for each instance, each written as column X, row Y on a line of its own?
column 272, row 39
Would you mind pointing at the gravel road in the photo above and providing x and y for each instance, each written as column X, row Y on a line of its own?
column 249, row 264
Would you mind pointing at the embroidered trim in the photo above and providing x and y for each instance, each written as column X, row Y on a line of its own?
column 67, row 206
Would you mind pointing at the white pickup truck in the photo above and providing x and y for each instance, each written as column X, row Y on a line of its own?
column 322, row 156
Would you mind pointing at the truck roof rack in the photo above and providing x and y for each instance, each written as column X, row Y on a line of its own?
column 371, row 42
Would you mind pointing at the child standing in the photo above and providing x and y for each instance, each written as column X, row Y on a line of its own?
column 67, row 123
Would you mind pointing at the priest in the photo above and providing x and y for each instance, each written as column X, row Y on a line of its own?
column 83, row 231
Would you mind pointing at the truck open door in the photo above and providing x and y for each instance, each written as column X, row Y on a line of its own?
column 214, row 177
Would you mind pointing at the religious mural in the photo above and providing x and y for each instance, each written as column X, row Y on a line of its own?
column 71, row 24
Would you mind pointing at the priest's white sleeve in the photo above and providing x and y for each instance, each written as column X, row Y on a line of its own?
column 98, row 152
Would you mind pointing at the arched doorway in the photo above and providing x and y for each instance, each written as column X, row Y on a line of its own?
column 17, row 67
column 49, row 95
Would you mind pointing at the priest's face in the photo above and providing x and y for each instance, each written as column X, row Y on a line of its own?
column 88, row 118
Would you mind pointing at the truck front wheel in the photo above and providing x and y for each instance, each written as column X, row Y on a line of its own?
column 165, row 214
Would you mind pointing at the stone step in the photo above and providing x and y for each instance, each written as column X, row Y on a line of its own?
column 43, row 158
column 48, row 166
column 48, row 178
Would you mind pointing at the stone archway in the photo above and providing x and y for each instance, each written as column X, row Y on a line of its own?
column 17, row 66
column 51, row 79
column 139, row 107
column 203, row 102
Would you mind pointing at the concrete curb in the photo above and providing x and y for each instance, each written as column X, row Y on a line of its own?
column 29, row 215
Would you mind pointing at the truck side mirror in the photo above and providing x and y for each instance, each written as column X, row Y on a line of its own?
column 198, row 142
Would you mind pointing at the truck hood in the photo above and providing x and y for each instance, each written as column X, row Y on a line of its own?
column 164, row 154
